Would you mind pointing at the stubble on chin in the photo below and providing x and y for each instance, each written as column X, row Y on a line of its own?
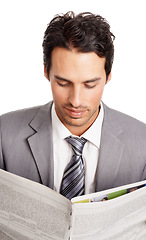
column 79, row 122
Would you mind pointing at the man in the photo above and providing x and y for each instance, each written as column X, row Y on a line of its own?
column 78, row 56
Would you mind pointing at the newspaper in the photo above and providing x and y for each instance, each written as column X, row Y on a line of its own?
column 29, row 210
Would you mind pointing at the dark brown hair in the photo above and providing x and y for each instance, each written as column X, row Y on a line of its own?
column 86, row 32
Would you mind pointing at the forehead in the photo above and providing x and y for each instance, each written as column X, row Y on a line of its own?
column 69, row 63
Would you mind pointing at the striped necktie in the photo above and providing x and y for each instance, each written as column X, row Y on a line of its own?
column 73, row 182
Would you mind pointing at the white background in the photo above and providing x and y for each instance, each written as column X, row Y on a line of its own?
column 22, row 25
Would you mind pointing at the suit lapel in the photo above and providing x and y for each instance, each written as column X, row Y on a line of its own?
column 41, row 145
column 111, row 151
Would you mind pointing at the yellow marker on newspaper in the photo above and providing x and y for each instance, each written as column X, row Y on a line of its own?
column 83, row 201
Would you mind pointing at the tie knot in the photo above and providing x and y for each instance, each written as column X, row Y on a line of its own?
column 77, row 144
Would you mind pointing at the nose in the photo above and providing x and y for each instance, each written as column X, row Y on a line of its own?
column 75, row 97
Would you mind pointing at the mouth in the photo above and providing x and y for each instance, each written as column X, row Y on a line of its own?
column 75, row 113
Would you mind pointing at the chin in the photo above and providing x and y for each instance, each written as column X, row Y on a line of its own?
column 75, row 123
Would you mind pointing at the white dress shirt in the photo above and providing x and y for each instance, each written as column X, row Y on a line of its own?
column 63, row 151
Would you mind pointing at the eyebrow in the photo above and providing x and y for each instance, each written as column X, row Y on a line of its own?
column 86, row 81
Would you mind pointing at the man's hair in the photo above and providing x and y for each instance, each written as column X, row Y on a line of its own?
column 86, row 32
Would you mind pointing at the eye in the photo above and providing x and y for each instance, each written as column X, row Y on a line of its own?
column 63, row 84
column 90, row 85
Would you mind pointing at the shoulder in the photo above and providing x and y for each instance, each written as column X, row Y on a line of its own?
column 23, row 116
column 114, row 115
column 127, row 123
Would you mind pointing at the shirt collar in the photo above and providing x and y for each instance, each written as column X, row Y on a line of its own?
column 93, row 134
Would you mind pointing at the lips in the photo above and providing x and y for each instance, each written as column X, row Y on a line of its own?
column 75, row 113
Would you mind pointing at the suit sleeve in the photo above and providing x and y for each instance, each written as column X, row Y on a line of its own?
column 144, row 173
column 1, row 153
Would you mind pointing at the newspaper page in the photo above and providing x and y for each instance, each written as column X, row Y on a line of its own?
column 120, row 218
column 29, row 210
column 108, row 193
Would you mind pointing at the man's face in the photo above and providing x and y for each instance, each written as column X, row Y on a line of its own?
column 77, row 82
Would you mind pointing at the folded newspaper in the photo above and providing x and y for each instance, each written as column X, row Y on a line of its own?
column 29, row 210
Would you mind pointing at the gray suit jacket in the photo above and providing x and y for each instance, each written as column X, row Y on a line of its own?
column 26, row 147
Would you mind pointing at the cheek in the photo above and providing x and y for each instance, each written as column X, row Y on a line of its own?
column 95, row 97
column 58, row 95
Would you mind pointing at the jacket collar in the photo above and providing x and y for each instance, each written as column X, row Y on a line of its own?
column 111, row 150
column 41, row 144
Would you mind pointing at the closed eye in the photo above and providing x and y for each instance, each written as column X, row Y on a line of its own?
column 90, row 85
column 62, row 81
column 63, row 84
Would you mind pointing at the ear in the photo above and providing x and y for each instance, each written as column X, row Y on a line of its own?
column 45, row 73
column 109, row 77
